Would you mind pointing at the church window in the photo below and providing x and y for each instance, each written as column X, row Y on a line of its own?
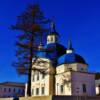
column 42, row 90
column 51, row 39
column 48, row 39
column 33, row 77
column 37, row 91
column 33, row 91
column 70, row 69
column 43, row 75
column 38, row 76
column 62, row 88
column 84, row 88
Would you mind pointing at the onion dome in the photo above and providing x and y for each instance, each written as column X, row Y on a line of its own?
column 70, row 56
column 41, row 51
column 41, row 54
column 56, row 49
column 51, row 51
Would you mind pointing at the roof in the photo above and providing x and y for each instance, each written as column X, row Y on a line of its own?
column 52, row 48
column 56, row 48
column 52, row 51
column 70, row 45
column 71, row 58
column 53, row 29
column 13, row 84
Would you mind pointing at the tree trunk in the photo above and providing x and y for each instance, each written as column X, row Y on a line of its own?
column 30, row 68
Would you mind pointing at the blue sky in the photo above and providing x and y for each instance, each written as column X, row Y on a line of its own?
column 78, row 18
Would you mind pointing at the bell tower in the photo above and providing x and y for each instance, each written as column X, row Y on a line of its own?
column 53, row 35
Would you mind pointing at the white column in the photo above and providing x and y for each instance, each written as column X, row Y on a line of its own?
column 26, row 86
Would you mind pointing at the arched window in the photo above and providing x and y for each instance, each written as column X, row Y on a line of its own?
column 43, row 76
column 51, row 39
column 37, row 76
column 33, row 77
column 37, row 91
column 42, row 90
column 61, row 88
column 33, row 91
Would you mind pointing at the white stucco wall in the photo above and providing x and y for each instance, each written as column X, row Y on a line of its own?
column 78, row 79
column 82, row 67
column 75, row 84
column 47, row 81
column 39, row 84
column 65, row 80
column 74, row 67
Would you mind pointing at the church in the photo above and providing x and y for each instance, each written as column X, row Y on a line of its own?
column 60, row 70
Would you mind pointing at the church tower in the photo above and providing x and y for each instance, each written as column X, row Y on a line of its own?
column 53, row 35
column 60, row 71
column 56, row 49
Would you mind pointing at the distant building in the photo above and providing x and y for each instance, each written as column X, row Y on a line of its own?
column 60, row 71
column 11, row 89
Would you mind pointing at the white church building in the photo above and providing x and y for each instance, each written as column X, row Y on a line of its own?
column 60, row 70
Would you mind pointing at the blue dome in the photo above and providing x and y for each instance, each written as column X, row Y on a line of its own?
column 71, row 58
column 52, row 51
column 55, row 49
column 41, row 54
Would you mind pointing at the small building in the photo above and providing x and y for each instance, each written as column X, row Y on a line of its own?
column 11, row 89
